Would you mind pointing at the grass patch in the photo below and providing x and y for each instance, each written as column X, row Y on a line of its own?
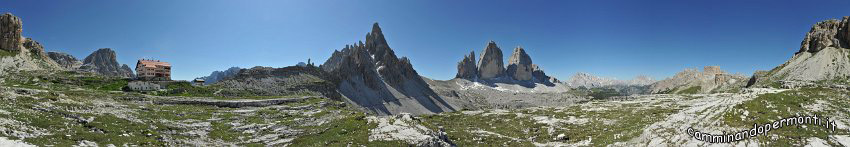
column 7, row 53
column 352, row 130
column 691, row 90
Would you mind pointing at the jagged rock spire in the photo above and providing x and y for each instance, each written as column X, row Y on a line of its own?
column 466, row 68
column 490, row 65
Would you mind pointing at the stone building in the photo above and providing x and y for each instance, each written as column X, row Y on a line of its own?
column 153, row 70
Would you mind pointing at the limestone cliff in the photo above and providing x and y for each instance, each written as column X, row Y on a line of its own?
column 823, row 56
column 519, row 65
column 66, row 61
column 490, row 65
column 18, row 53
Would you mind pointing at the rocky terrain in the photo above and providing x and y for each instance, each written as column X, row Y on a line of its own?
column 216, row 76
column 490, row 68
column 711, row 80
column 591, row 81
column 18, row 52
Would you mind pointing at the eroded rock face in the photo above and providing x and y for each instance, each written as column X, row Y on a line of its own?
column 35, row 48
column 519, row 65
column 466, row 68
column 104, row 61
column 10, row 32
column 373, row 77
column 541, row 77
column 65, row 60
column 216, row 76
column 490, row 65
column 822, row 56
column 830, row 33
column 711, row 79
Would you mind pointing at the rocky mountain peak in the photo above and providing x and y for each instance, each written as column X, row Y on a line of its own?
column 65, row 60
column 466, row 68
column 10, row 32
column 588, row 80
column 519, row 65
column 490, row 64
column 104, row 61
column 373, row 77
column 829, row 33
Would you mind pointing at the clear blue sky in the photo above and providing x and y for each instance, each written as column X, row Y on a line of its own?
column 618, row 39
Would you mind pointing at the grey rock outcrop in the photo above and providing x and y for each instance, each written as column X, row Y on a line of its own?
column 830, row 33
column 823, row 56
column 65, row 60
column 373, row 78
column 520, row 65
column 588, row 80
column 490, row 65
column 490, row 68
column 35, row 48
column 466, row 68
column 104, row 62
column 216, row 76
column 711, row 79
column 10, row 32
column 21, row 53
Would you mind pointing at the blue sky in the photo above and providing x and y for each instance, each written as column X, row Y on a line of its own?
column 619, row 39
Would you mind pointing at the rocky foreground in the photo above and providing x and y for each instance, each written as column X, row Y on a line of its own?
column 53, row 109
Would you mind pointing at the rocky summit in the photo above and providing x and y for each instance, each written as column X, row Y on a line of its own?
column 490, row 65
column 373, row 78
column 19, row 53
column 823, row 56
column 519, row 65
column 216, row 76
column 10, row 32
column 490, row 68
column 366, row 95
column 65, row 60
column 104, row 62
column 831, row 33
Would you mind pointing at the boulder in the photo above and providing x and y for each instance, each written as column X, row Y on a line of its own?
column 490, row 65
column 466, row 68
column 519, row 65
column 10, row 32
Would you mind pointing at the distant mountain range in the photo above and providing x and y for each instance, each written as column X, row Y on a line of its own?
column 588, row 80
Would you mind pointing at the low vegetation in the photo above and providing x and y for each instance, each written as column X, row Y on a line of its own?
column 771, row 107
